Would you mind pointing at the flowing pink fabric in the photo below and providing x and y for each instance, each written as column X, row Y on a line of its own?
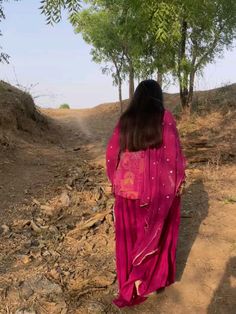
column 146, row 229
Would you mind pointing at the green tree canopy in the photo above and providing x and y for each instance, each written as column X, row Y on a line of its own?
column 64, row 106
column 179, row 37
column 197, row 32
column 52, row 9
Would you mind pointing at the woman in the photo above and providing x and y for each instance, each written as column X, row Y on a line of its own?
column 145, row 166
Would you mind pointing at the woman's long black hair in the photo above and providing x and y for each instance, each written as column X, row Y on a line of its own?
column 141, row 123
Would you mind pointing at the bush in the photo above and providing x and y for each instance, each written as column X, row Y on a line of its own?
column 64, row 106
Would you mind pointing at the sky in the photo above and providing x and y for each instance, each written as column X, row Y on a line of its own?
column 55, row 65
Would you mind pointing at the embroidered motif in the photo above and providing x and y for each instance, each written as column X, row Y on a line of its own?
column 128, row 179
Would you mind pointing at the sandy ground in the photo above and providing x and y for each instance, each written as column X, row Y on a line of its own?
column 206, row 257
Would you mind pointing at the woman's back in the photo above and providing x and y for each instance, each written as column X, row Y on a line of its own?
column 146, row 166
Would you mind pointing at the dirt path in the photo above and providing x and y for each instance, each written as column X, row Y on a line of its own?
column 207, row 247
column 206, row 262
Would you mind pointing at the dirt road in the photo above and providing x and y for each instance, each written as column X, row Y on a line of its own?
column 206, row 258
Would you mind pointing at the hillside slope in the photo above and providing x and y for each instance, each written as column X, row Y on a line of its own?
column 202, row 100
column 19, row 117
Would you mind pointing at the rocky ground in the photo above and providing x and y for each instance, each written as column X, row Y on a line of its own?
column 57, row 238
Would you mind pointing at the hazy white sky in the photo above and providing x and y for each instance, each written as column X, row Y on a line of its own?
column 55, row 64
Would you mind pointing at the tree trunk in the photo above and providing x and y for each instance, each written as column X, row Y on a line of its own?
column 118, row 81
column 191, row 87
column 120, row 94
column 131, row 80
column 160, row 78
column 182, row 74
column 184, row 99
column 192, row 77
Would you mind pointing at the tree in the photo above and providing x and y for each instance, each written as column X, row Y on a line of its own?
column 99, row 30
column 64, row 106
column 181, row 37
column 132, row 23
column 4, row 57
column 117, row 58
column 196, row 32
column 176, row 36
column 52, row 9
column 128, row 26
column 207, row 28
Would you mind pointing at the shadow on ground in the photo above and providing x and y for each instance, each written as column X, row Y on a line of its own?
column 224, row 298
column 195, row 206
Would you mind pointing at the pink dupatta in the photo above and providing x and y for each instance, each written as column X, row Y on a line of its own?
column 165, row 172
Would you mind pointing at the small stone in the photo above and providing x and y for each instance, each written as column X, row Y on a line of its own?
column 95, row 208
column 36, row 202
column 26, row 291
column 46, row 253
column 40, row 221
column 69, row 187
column 35, row 252
column 65, row 199
column 35, row 227
column 27, row 245
column 43, row 286
column 48, row 210
column 54, row 274
column 25, row 259
column 34, row 242
column 4, row 229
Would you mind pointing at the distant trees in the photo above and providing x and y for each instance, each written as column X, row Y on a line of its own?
column 64, row 106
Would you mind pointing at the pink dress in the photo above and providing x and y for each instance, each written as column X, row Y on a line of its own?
column 146, row 228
